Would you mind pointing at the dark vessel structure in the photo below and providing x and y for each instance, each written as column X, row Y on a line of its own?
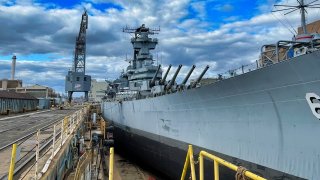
column 267, row 119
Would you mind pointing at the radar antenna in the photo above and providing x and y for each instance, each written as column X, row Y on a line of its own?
column 302, row 6
column 142, row 28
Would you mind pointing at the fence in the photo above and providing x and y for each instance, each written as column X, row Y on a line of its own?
column 46, row 144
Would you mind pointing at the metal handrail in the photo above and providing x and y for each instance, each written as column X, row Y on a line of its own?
column 216, row 160
column 111, row 162
column 83, row 161
column 12, row 163
column 189, row 161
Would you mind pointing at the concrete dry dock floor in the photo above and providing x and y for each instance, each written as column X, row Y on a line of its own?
column 15, row 127
column 125, row 169
column 14, row 115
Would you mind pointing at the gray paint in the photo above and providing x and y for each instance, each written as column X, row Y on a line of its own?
column 77, row 82
column 44, row 103
column 17, row 105
column 142, row 69
column 261, row 116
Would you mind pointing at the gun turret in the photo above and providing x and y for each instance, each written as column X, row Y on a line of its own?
column 163, row 80
column 153, row 81
column 172, row 81
column 200, row 77
column 188, row 75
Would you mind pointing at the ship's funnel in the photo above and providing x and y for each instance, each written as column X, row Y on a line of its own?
column 13, row 67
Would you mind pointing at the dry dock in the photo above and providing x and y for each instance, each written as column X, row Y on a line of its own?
column 63, row 144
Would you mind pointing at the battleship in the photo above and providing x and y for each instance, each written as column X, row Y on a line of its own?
column 266, row 119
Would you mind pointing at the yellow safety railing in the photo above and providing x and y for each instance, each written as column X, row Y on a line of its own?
column 111, row 159
column 13, row 160
column 103, row 127
column 65, row 123
column 189, row 161
column 216, row 160
column 84, row 160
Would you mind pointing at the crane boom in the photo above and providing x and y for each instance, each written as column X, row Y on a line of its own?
column 80, row 49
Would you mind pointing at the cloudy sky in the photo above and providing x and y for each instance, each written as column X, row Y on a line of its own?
column 224, row 34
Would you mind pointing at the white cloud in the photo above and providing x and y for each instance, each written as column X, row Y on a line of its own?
column 200, row 8
column 32, row 29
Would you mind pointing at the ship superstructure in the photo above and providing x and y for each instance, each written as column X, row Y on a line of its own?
column 300, row 44
column 142, row 73
column 142, row 78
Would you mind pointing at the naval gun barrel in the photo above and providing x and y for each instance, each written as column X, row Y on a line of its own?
column 163, row 80
column 153, row 81
column 188, row 75
column 200, row 77
column 174, row 77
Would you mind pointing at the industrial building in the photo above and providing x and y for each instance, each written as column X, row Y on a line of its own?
column 6, row 84
column 46, row 95
column 98, row 90
column 12, row 102
column 38, row 91
column 11, row 84
column 11, row 87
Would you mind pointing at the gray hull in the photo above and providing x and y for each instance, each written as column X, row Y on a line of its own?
column 261, row 117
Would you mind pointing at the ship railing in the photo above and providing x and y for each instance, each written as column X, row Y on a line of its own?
column 274, row 53
column 240, row 70
column 283, row 50
column 241, row 171
column 220, row 76
column 245, row 68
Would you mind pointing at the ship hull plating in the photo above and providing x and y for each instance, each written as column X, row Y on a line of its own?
column 168, row 156
column 261, row 117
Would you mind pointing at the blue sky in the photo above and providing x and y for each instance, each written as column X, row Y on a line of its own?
column 224, row 34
